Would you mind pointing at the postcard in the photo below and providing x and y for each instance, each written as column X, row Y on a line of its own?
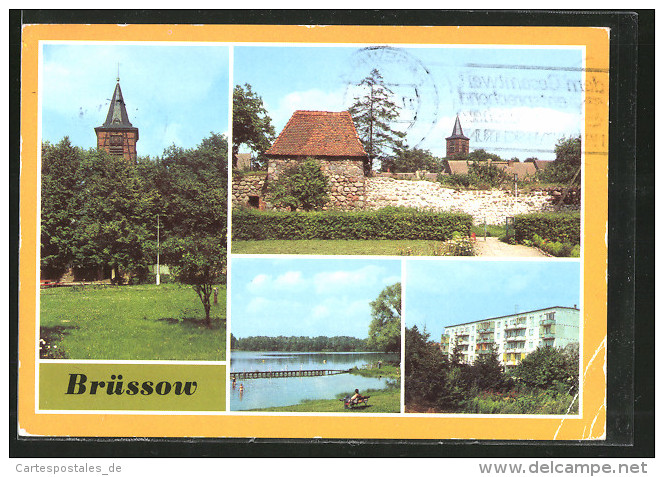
column 336, row 232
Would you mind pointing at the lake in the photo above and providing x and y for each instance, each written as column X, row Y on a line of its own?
column 260, row 393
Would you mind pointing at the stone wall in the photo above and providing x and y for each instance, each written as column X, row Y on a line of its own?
column 492, row 205
column 347, row 181
column 349, row 189
column 246, row 185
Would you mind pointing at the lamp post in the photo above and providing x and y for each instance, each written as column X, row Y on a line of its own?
column 158, row 249
column 516, row 178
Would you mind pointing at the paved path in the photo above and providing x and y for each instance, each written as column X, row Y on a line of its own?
column 495, row 248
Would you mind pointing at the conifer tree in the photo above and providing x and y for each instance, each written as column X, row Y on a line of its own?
column 374, row 112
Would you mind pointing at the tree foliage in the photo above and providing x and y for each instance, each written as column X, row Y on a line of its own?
column 59, row 202
column 194, row 190
column 374, row 112
column 411, row 160
column 100, row 211
column 251, row 124
column 385, row 326
column 567, row 164
column 479, row 155
column 96, row 213
column 299, row 343
column 550, row 368
column 301, row 186
column 429, row 378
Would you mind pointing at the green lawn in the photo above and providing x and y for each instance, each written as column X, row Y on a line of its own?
column 387, row 400
column 336, row 247
column 150, row 322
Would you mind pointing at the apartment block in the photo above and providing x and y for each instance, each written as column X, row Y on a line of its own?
column 513, row 336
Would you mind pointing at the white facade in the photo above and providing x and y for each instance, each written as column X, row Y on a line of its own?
column 514, row 336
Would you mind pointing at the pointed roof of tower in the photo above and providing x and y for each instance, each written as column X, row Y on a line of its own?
column 117, row 117
column 457, row 132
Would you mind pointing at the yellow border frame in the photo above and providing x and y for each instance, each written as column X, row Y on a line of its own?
column 591, row 425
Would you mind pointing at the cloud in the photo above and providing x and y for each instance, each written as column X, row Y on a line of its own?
column 343, row 280
column 258, row 305
column 313, row 99
column 289, row 279
column 259, row 283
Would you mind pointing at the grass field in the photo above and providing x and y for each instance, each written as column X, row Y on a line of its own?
column 387, row 400
column 149, row 322
column 336, row 247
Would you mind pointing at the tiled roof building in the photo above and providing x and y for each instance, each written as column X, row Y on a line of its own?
column 316, row 134
column 117, row 135
column 330, row 138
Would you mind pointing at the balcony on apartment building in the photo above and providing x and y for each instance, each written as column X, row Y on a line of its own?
column 485, row 339
column 547, row 321
column 517, row 326
column 515, row 338
column 547, row 332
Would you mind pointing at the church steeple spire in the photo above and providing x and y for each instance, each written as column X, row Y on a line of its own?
column 457, row 143
column 117, row 135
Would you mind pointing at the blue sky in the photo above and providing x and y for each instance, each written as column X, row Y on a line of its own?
column 443, row 293
column 306, row 297
column 174, row 94
column 516, row 102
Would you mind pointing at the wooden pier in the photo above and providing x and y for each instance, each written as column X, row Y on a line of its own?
column 287, row 374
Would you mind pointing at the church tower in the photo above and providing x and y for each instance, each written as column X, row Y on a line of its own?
column 457, row 143
column 117, row 136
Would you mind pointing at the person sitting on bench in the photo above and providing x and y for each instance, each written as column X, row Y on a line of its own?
column 357, row 397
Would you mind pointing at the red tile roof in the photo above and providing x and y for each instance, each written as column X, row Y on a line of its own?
column 318, row 133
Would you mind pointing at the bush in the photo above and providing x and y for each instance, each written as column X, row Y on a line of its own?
column 301, row 186
column 481, row 175
column 388, row 223
column 552, row 227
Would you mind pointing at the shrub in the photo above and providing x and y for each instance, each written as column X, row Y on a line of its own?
column 553, row 227
column 388, row 223
column 301, row 186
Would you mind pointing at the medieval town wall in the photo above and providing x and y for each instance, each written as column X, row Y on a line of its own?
column 246, row 186
column 493, row 205
column 348, row 192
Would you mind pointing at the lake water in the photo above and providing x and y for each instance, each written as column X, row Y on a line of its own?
column 260, row 393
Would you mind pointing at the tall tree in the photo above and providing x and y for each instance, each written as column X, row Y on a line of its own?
column 385, row 326
column 251, row 124
column 194, row 188
column 114, row 217
column 374, row 112
column 567, row 166
column 59, row 202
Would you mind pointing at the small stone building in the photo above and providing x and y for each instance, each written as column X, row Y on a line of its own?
column 117, row 135
column 331, row 139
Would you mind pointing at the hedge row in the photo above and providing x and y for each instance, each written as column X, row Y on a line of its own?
column 389, row 223
column 554, row 227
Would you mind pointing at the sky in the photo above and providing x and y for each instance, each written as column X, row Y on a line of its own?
column 448, row 292
column 174, row 94
column 515, row 102
column 306, row 297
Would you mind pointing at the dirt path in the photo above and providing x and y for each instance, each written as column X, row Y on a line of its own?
column 495, row 248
